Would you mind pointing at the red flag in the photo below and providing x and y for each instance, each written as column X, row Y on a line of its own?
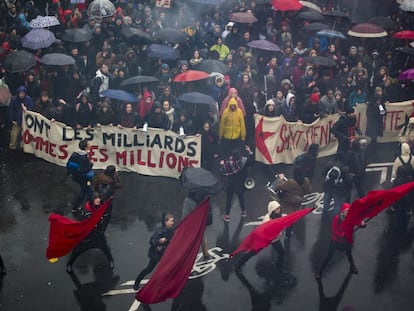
column 175, row 265
column 374, row 202
column 264, row 234
column 65, row 233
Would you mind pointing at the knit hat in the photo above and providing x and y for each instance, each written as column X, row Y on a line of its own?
column 314, row 98
column 271, row 207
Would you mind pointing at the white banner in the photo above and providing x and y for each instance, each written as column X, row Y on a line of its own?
column 156, row 152
column 279, row 141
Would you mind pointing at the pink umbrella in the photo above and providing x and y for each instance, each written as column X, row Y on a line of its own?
column 407, row 74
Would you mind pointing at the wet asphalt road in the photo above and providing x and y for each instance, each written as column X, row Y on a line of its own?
column 32, row 188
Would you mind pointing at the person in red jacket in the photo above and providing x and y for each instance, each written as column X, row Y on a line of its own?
column 341, row 239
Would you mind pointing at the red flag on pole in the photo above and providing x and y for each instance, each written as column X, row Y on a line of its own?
column 264, row 234
column 65, row 233
column 175, row 265
column 374, row 202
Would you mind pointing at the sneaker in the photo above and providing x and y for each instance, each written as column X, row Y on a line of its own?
column 237, row 269
column 354, row 270
column 243, row 214
column 136, row 285
column 76, row 210
column 207, row 258
column 226, row 217
column 69, row 268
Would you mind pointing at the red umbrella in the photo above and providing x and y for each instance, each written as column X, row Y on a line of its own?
column 286, row 5
column 404, row 34
column 407, row 74
column 191, row 75
column 367, row 30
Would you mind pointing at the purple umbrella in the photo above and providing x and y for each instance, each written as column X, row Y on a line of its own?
column 38, row 38
column 263, row 45
column 407, row 74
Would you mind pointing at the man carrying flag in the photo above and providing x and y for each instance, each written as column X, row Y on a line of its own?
column 355, row 214
column 266, row 233
column 66, row 234
column 175, row 265
column 341, row 239
column 273, row 212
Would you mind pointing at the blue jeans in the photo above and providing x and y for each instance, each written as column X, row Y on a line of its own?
column 338, row 201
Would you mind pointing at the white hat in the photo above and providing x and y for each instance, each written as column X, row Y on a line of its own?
column 271, row 207
column 229, row 24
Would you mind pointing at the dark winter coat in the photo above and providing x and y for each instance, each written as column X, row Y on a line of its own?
column 375, row 121
column 156, row 249
column 15, row 107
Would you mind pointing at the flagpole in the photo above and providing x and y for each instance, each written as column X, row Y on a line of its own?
column 365, row 221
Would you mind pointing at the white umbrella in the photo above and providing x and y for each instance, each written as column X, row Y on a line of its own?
column 101, row 9
column 44, row 21
column 311, row 5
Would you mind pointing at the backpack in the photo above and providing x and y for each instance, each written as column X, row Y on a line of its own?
column 72, row 166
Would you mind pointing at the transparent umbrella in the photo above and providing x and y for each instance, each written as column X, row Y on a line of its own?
column 100, row 9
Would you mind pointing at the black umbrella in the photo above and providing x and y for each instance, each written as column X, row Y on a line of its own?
column 320, row 61
column 120, row 95
column 19, row 61
column 134, row 32
column 76, row 35
column 405, row 50
column 57, row 59
column 170, row 35
column 212, row 65
column 335, row 13
column 311, row 15
column 196, row 98
column 316, row 27
column 383, row 21
column 139, row 80
column 162, row 51
column 199, row 179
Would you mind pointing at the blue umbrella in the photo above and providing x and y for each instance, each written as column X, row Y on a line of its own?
column 120, row 95
column 162, row 51
column 38, row 38
column 330, row 33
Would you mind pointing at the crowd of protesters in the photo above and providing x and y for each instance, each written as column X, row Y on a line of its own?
column 279, row 83
column 271, row 83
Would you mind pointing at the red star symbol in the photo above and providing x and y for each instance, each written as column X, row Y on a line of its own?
column 260, row 141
